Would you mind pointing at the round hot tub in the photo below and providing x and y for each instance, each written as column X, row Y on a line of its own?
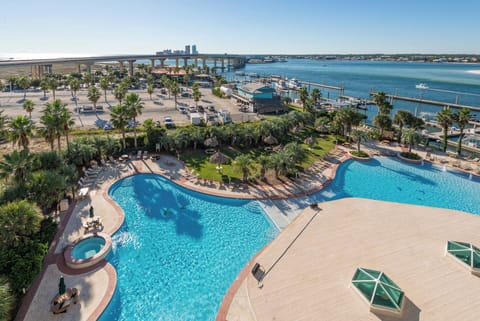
column 88, row 250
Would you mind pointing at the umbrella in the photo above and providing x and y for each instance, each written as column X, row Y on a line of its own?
column 211, row 142
column 270, row 140
column 310, row 141
column 218, row 158
column 91, row 211
column 61, row 286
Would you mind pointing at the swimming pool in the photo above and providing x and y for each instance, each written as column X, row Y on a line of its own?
column 389, row 179
column 178, row 251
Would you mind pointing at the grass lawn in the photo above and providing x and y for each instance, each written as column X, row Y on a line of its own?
column 199, row 161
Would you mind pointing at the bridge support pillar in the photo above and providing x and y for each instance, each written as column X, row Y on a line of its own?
column 214, row 63
column 223, row 64
column 162, row 63
column 204, row 63
column 130, row 67
column 89, row 68
column 176, row 62
column 195, row 61
column 121, row 64
column 152, row 63
column 185, row 62
column 79, row 68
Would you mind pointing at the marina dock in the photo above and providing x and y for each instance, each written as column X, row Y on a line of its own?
column 429, row 102
column 314, row 84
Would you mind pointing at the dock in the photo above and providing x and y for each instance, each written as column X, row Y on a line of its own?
column 314, row 84
column 429, row 102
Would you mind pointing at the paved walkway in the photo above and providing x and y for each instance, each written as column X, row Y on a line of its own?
column 97, row 285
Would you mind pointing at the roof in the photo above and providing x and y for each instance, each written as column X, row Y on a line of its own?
column 311, row 263
column 254, row 87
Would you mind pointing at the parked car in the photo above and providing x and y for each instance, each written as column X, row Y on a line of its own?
column 192, row 109
column 168, row 122
column 182, row 110
column 200, row 109
column 211, row 108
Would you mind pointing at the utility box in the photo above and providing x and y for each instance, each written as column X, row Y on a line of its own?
column 195, row 119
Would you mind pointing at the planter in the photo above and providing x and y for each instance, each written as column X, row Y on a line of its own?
column 359, row 158
column 409, row 160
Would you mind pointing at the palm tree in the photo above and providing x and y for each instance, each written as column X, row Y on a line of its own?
column 384, row 107
column 21, row 128
column 74, row 87
column 120, row 92
column 24, row 83
column 175, row 91
column 196, row 96
column 93, row 95
column 346, row 118
column 28, row 106
column 295, row 151
column 57, row 120
column 44, row 87
column 445, row 119
column 316, row 95
column 383, row 122
column 303, row 96
column 104, row 84
column 243, row 162
column 120, row 115
column 360, row 136
column 16, row 166
column 134, row 105
column 67, row 121
column 49, row 130
column 462, row 117
column 263, row 160
column 7, row 299
column 411, row 137
column 402, row 118
column 150, row 90
column 52, row 85
column 20, row 220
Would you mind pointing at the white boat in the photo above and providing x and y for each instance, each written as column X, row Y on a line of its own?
column 240, row 73
column 294, row 84
column 281, row 85
column 421, row 86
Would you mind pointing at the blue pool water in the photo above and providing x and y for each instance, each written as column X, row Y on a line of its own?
column 388, row 179
column 179, row 251
column 87, row 248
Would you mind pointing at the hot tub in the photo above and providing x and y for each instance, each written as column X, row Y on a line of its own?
column 87, row 250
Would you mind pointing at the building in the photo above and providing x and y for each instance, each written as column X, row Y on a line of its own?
column 194, row 50
column 187, row 49
column 259, row 98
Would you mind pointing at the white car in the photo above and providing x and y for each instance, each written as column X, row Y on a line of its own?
column 168, row 122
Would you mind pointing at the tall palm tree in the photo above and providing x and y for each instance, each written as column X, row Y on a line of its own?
column 150, row 90
column 49, row 130
column 28, row 106
column 16, row 166
column 93, row 95
column 360, row 136
column 445, row 119
column 135, row 106
column 74, row 87
column 303, row 96
column 21, row 129
column 384, row 106
column 196, row 96
column 67, row 121
column 316, row 95
column 104, row 84
column 244, row 162
column 346, row 118
column 462, row 117
column 410, row 136
column 263, row 160
column 120, row 92
column 44, row 87
column 383, row 122
column 52, row 85
column 402, row 118
column 120, row 115
column 20, row 220
column 57, row 120
column 175, row 91
column 24, row 83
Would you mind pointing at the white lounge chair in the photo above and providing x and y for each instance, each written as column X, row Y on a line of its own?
column 139, row 154
column 145, row 154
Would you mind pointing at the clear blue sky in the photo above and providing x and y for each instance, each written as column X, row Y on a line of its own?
column 242, row 26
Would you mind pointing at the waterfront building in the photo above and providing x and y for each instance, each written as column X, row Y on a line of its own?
column 187, row 49
column 259, row 98
column 194, row 50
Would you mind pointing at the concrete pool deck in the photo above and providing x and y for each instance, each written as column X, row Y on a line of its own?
column 309, row 266
column 37, row 301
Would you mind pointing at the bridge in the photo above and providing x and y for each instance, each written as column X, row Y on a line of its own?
column 41, row 66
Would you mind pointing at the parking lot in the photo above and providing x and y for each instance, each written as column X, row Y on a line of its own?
column 157, row 108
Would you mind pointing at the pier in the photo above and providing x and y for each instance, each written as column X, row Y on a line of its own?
column 428, row 102
column 314, row 84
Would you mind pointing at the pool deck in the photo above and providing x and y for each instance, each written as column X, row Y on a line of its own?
column 309, row 266
column 98, row 283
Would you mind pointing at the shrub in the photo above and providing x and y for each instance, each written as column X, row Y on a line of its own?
column 359, row 153
column 410, row 155
column 7, row 299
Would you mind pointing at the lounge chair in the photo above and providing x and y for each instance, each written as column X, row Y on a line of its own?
column 139, row 154
column 145, row 154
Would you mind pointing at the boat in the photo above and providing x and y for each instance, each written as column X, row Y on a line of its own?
column 240, row 73
column 421, row 86
column 281, row 85
column 294, row 84
column 253, row 75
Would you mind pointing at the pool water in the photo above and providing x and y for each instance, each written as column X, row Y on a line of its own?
column 88, row 247
column 389, row 179
column 179, row 251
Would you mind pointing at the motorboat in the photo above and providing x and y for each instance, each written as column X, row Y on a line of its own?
column 294, row 84
column 421, row 86
column 281, row 85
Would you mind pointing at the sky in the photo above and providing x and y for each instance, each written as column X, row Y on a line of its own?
column 103, row 27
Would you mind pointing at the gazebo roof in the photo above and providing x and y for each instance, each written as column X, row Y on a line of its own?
column 379, row 290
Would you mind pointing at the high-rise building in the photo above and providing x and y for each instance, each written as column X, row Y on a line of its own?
column 187, row 49
column 194, row 50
